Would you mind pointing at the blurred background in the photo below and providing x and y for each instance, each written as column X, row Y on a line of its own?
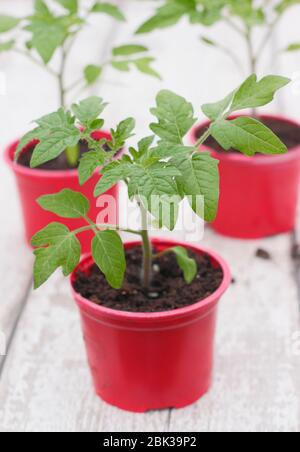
column 188, row 66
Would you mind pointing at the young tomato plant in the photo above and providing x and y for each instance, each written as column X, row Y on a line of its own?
column 241, row 16
column 160, row 172
column 52, row 33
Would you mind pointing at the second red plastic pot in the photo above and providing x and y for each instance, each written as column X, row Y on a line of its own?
column 33, row 183
column 141, row 362
column 258, row 195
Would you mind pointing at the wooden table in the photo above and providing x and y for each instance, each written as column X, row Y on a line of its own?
column 44, row 380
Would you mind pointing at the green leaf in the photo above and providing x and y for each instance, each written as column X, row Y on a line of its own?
column 66, row 204
column 53, row 144
column 7, row 23
column 6, row 46
column 108, row 254
column 35, row 134
column 167, row 15
column 58, row 247
column 250, row 94
column 246, row 10
column 92, row 73
column 294, row 47
column 111, row 175
column 70, row 5
column 129, row 49
column 46, row 40
column 89, row 109
column 144, row 145
column 248, row 136
column 88, row 164
column 166, row 150
column 157, row 190
column 175, row 117
column 214, row 110
column 48, row 32
column 108, row 8
column 253, row 93
column 210, row 12
column 121, row 134
column 187, row 264
column 97, row 124
column 56, row 131
column 144, row 66
column 41, row 8
column 200, row 182
column 123, row 66
column 285, row 4
column 55, row 120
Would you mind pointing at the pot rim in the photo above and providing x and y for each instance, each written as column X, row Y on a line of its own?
column 165, row 315
column 42, row 173
column 259, row 159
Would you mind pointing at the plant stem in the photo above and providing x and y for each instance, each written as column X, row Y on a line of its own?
column 61, row 76
column 99, row 227
column 203, row 138
column 251, row 54
column 268, row 36
column 233, row 25
column 147, row 250
column 147, row 260
column 252, row 60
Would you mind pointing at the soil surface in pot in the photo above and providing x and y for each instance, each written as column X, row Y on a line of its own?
column 58, row 164
column 169, row 291
column 288, row 133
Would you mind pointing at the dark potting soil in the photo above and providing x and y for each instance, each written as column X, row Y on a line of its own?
column 169, row 291
column 58, row 164
column 263, row 254
column 288, row 133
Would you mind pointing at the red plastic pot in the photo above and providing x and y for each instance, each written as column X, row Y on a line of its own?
column 33, row 183
column 147, row 361
column 258, row 195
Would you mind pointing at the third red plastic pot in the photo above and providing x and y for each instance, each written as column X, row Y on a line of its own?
column 258, row 195
column 141, row 362
column 33, row 183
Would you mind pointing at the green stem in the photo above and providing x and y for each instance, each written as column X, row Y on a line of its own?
column 251, row 53
column 252, row 60
column 267, row 37
column 232, row 25
column 98, row 227
column 147, row 260
column 147, row 251
column 203, row 138
column 61, row 75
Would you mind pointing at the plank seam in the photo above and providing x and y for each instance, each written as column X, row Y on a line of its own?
column 23, row 304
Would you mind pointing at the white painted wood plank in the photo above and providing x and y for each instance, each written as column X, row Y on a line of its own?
column 46, row 383
column 16, row 259
column 256, row 387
